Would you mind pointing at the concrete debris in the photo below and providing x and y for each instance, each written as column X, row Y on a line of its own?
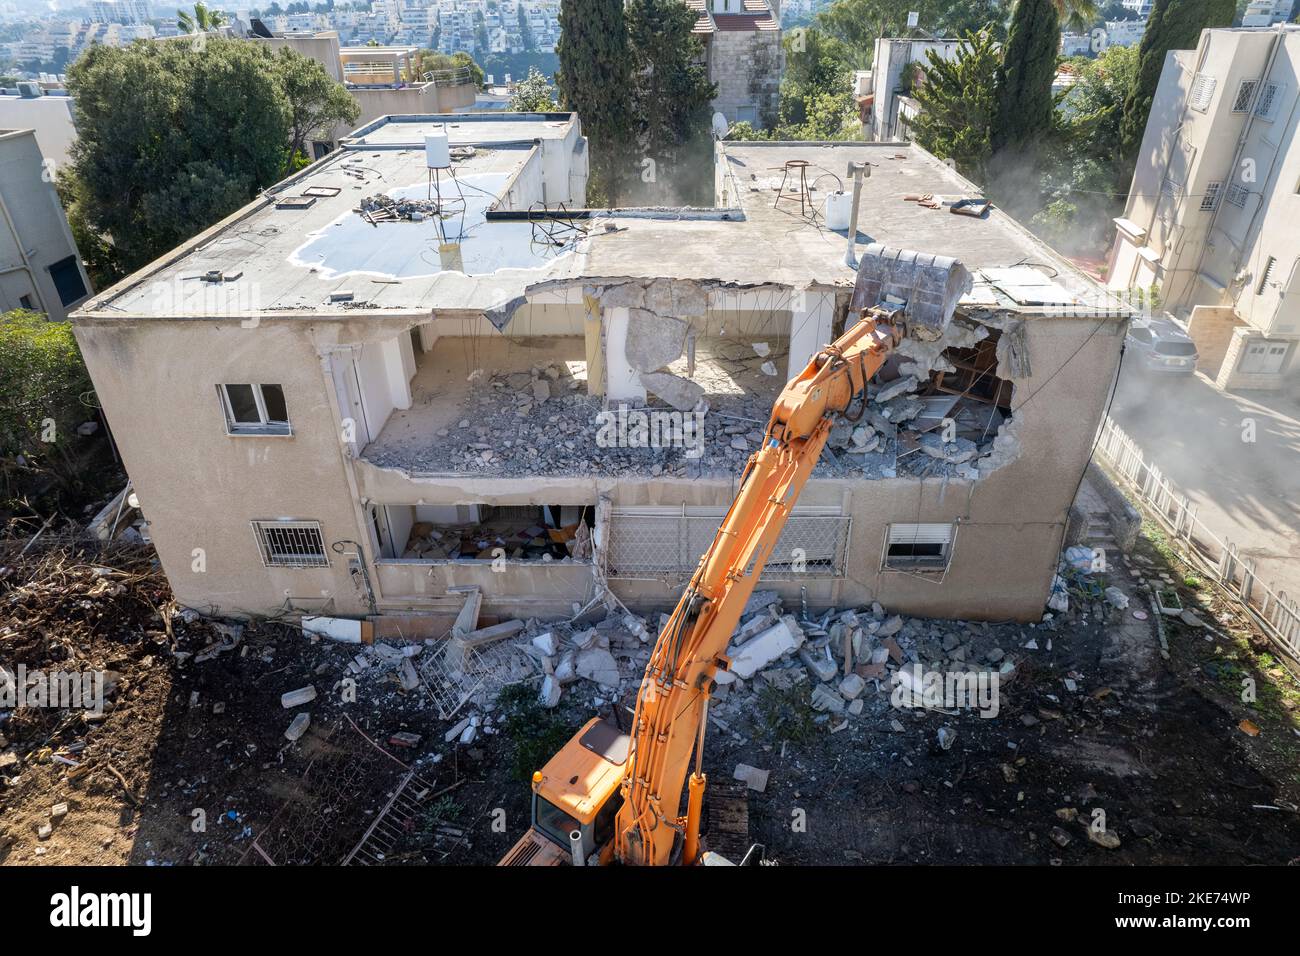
column 826, row 700
column 546, row 643
column 819, row 662
column 782, row 638
column 899, row 386
column 653, row 340
column 407, row 676
column 597, row 664
column 296, row 698
column 681, row 393
column 298, row 726
column 549, row 696
column 852, row 686
column 752, row 777
column 946, row 737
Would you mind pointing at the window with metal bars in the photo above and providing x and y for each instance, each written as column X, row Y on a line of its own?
column 1202, row 92
column 1236, row 195
column 1210, row 198
column 1244, row 94
column 291, row 544
column 1269, row 97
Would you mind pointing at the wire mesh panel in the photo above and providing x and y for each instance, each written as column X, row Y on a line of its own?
column 651, row 546
column 454, row 673
column 291, row 544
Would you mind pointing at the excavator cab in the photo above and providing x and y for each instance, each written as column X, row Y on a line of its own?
column 576, row 798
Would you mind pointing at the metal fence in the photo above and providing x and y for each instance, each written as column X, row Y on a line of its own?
column 654, row 546
column 1277, row 614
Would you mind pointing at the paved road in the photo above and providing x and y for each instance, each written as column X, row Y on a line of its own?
column 1247, row 492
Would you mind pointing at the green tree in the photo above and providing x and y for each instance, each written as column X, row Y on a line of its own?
column 533, row 94
column 817, row 76
column 201, row 20
column 857, row 23
column 1173, row 25
column 594, row 80
column 1026, row 106
column 526, row 38
column 316, row 102
column 431, row 61
column 171, row 139
column 42, row 381
column 959, row 104
column 671, row 94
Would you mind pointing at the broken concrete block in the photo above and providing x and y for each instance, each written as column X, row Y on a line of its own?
column 752, row 777
column 680, row 393
column 546, row 643
column 855, row 706
column 298, row 726
column 823, row 668
column 947, row 736
column 565, row 671
column 899, row 386
column 597, row 664
column 469, row 733
column 764, row 648
column 541, row 390
column 653, row 341
column 826, row 700
column 456, row 731
column 295, row 698
column 852, row 686
column 890, row 627
column 404, row 738
column 957, row 450
column 407, row 676
column 549, row 695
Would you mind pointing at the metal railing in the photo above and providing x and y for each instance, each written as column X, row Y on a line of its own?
column 457, row 77
column 1277, row 615
column 655, row 546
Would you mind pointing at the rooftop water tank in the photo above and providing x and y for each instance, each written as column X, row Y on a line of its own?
column 437, row 150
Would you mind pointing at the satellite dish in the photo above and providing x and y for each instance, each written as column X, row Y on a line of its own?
column 720, row 126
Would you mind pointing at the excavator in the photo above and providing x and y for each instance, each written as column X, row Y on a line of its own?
column 612, row 797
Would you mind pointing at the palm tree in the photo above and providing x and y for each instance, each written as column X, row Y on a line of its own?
column 1078, row 15
column 201, row 21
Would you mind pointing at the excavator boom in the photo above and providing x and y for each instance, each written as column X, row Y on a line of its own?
column 896, row 290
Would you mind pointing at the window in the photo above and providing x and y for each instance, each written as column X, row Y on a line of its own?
column 1266, row 275
column 255, row 409
column 912, row 547
column 291, row 544
column 1202, row 92
column 1236, row 195
column 1244, row 93
column 1211, row 197
column 1269, row 97
column 26, row 303
column 68, row 283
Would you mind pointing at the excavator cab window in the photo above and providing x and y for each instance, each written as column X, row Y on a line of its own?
column 553, row 822
column 603, row 826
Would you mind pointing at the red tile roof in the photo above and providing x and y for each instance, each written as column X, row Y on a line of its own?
column 757, row 15
column 736, row 22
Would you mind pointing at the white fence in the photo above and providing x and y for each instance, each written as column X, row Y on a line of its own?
column 1278, row 615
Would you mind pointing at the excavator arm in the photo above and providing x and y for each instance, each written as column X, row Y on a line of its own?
column 575, row 794
column 671, row 708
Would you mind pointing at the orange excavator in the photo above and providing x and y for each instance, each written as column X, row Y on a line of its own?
column 614, row 797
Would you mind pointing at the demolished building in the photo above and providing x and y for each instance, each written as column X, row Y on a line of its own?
column 387, row 378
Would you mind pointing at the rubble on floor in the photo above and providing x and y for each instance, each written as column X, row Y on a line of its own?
column 518, row 540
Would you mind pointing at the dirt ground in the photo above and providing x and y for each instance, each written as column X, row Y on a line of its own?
column 189, row 764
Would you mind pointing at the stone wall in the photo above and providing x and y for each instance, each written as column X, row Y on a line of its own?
column 746, row 66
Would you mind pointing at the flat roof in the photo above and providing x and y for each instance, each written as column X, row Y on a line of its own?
column 299, row 249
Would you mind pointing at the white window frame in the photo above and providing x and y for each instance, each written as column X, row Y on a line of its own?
column 942, row 533
column 1245, row 93
column 1210, row 198
column 265, row 427
column 267, row 529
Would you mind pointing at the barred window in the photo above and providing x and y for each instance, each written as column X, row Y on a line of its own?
column 1244, row 93
column 1202, row 92
column 1236, row 195
column 291, row 544
column 1211, row 197
column 1269, row 98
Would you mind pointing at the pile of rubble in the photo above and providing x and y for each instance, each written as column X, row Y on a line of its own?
column 380, row 208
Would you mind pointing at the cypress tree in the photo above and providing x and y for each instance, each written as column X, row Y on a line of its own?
column 1025, row 104
column 1173, row 25
column 594, row 80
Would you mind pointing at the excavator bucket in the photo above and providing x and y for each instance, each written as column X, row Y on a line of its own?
column 926, row 287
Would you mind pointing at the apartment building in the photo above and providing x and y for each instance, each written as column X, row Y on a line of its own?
column 894, row 67
column 744, row 56
column 39, row 265
column 1213, row 211
column 1265, row 13
column 370, row 400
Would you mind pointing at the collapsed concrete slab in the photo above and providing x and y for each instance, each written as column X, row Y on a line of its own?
column 782, row 638
column 653, row 340
column 681, row 393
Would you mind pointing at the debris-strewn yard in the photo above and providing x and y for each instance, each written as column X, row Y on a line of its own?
column 1101, row 745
